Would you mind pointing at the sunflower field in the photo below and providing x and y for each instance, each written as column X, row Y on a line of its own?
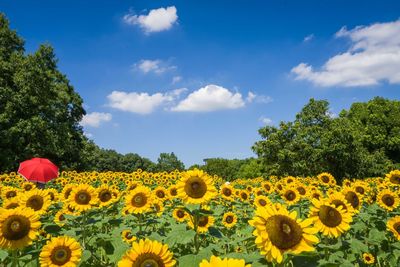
column 191, row 219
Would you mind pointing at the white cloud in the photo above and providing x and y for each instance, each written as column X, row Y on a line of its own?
column 142, row 103
column 94, row 119
column 373, row 57
column 308, row 38
column 176, row 79
column 88, row 135
column 156, row 66
column 210, row 98
column 157, row 20
column 265, row 120
column 252, row 97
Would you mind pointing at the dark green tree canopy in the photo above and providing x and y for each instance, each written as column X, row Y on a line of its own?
column 169, row 162
column 361, row 142
column 39, row 109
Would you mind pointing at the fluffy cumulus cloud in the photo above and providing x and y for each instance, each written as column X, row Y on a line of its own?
column 374, row 56
column 141, row 103
column 265, row 120
column 210, row 98
column 157, row 20
column 155, row 66
column 94, row 119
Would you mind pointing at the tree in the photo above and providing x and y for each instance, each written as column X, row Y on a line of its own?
column 227, row 169
column 361, row 142
column 169, row 162
column 39, row 109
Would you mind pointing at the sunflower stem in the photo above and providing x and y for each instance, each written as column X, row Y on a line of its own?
column 196, row 236
column 15, row 261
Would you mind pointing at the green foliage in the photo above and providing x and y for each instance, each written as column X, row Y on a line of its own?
column 39, row 109
column 361, row 142
column 169, row 162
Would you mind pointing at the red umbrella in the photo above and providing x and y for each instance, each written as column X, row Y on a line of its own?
column 38, row 170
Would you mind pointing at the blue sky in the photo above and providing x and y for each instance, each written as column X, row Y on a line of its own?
column 199, row 78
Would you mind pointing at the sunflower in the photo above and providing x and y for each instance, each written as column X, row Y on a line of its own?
column 128, row 236
column 278, row 231
column 393, row 225
column 9, row 192
column 290, row 195
column 226, row 262
column 203, row 223
column 53, row 193
column 105, row 195
column 27, row 186
column 394, row 177
column 229, row 220
column 10, row 203
column 338, row 200
column 361, row 187
column 160, row 193
column 59, row 218
column 172, row 191
column 148, row 253
column 261, row 201
column 368, row 258
column 267, row 186
column 326, row 179
column 315, row 194
column 67, row 190
column 196, row 187
column 244, row 195
column 179, row 214
column 353, row 198
column 227, row 191
column 302, row 190
column 158, row 207
column 18, row 227
column 388, row 200
column 61, row 251
column 138, row 200
column 83, row 197
column 36, row 199
column 329, row 220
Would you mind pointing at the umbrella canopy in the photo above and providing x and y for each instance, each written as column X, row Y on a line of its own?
column 38, row 170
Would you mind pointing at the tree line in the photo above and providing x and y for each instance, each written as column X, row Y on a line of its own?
column 40, row 114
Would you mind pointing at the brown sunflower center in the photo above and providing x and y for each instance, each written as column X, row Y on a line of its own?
column 338, row 203
column 227, row 192
column 139, row 200
column 12, row 205
column 16, row 227
column 316, row 195
column 52, row 197
column 82, row 197
column 352, row 198
column 267, row 187
column 105, row 195
column 60, row 255
column 301, row 190
column 173, row 192
column 283, row 231
column 148, row 260
column 396, row 227
column 67, row 192
column 329, row 216
column 290, row 195
column 262, row 202
column 35, row 202
column 203, row 221
column 243, row 195
column 325, row 179
column 367, row 258
column 180, row 213
column 395, row 179
column 11, row 194
column 28, row 187
column 195, row 187
column 229, row 219
column 388, row 200
column 128, row 235
column 160, row 194
column 360, row 190
column 61, row 217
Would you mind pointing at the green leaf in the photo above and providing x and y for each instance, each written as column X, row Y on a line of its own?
column 179, row 235
column 86, row 255
column 358, row 246
column 3, row 254
column 376, row 237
